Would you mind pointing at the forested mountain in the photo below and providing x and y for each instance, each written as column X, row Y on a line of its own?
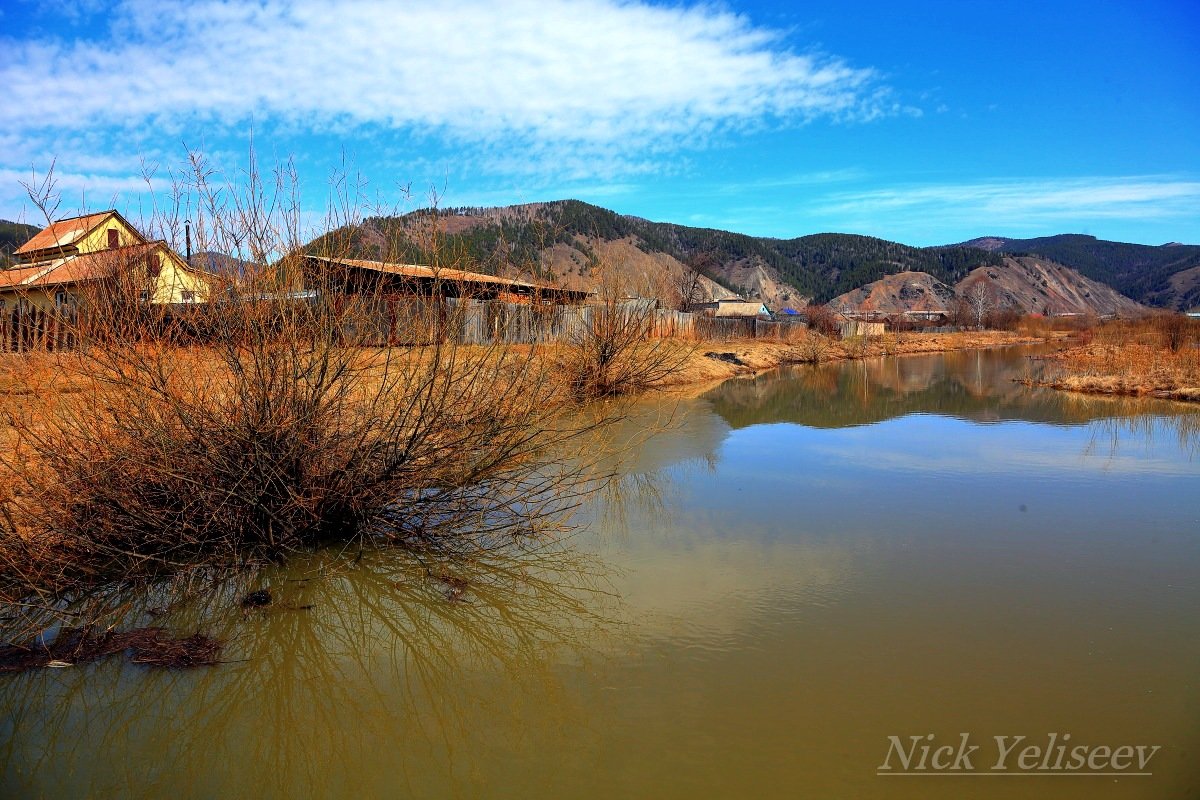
column 1167, row 275
column 12, row 236
column 529, row 237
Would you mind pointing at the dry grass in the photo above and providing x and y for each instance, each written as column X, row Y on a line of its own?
column 1156, row 356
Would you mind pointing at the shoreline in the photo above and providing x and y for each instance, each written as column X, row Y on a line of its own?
column 755, row 356
column 1122, row 370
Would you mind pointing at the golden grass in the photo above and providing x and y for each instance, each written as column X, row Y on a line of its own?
column 1143, row 357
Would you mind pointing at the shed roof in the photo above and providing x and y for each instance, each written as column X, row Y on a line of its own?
column 446, row 274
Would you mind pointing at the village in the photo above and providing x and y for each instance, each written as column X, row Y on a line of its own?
column 41, row 294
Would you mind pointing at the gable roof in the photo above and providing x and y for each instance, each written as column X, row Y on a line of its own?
column 66, row 232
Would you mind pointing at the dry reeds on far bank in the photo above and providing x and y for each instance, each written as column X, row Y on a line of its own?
column 1158, row 355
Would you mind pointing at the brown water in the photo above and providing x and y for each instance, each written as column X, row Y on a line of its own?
column 801, row 566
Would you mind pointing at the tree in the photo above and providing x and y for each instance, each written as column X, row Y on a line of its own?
column 981, row 299
column 690, row 286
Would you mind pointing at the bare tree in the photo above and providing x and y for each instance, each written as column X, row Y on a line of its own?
column 268, row 424
column 981, row 299
column 690, row 287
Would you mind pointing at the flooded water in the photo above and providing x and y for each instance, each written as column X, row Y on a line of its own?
column 797, row 568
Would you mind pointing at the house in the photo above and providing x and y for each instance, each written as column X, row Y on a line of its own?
column 360, row 276
column 62, row 261
column 732, row 307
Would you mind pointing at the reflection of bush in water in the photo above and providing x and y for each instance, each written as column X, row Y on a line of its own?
column 383, row 664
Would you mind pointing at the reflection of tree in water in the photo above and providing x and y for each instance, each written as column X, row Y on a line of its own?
column 975, row 385
column 396, row 665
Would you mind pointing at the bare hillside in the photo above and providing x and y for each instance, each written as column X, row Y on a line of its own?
column 904, row 291
column 1041, row 286
column 1026, row 284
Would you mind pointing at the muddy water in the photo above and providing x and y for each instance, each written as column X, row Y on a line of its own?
column 798, row 567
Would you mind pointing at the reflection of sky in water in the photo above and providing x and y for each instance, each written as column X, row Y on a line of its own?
column 923, row 470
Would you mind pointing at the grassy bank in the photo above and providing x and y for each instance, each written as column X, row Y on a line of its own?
column 1157, row 357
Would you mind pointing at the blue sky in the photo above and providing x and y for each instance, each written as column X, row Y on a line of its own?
column 921, row 122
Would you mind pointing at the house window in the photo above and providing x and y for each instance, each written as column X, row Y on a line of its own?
column 61, row 298
column 114, row 239
column 188, row 296
column 153, row 266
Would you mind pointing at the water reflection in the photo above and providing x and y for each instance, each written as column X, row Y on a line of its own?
column 366, row 676
column 980, row 386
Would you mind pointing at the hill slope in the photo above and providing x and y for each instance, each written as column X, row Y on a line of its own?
column 1167, row 275
column 1025, row 284
column 12, row 236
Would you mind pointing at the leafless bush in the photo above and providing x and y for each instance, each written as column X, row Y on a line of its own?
column 821, row 319
column 615, row 353
column 271, row 422
column 1175, row 331
column 814, row 347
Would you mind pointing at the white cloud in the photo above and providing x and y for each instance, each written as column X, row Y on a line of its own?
column 592, row 72
column 1022, row 202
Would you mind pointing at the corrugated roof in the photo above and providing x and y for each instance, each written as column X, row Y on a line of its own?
column 64, row 232
column 78, row 268
column 441, row 274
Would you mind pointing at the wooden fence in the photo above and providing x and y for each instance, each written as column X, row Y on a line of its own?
column 394, row 321
column 26, row 328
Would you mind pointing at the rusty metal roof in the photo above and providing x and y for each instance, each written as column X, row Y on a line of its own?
column 443, row 274
column 75, row 268
column 64, row 232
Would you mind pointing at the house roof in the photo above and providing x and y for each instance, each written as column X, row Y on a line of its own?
column 740, row 308
column 444, row 274
column 75, row 268
column 64, row 232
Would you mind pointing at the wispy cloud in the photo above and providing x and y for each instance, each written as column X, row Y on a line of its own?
column 578, row 71
column 1019, row 203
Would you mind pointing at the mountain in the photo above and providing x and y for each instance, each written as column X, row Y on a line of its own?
column 222, row 264
column 1041, row 286
column 1167, row 275
column 12, row 236
column 904, row 291
column 567, row 240
column 1025, row 284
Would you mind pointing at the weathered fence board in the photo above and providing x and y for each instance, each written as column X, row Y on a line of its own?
column 405, row 320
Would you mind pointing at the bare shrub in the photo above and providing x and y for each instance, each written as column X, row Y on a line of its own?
column 1175, row 331
column 271, row 422
column 814, row 347
column 821, row 319
column 613, row 351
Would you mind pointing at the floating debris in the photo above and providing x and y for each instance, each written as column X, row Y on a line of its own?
column 455, row 587
column 257, row 599
column 155, row 647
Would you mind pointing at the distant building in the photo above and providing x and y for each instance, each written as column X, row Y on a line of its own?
column 63, row 260
column 732, row 307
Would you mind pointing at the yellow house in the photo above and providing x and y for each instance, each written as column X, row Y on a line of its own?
column 63, row 260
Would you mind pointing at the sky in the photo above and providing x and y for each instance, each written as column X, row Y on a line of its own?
column 921, row 122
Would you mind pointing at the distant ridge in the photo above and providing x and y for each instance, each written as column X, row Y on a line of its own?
column 12, row 236
column 1158, row 275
